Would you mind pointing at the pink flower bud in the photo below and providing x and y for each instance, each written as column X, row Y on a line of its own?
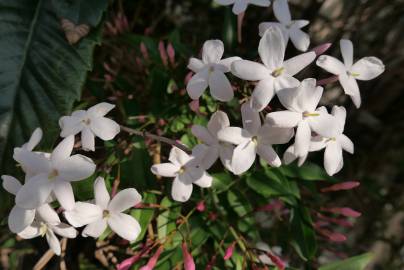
column 144, row 51
column 332, row 236
column 194, row 105
column 200, row 206
column 338, row 221
column 153, row 260
column 189, row 263
column 229, row 251
column 126, row 264
column 188, row 77
column 345, row 211
column 211, row 263
column 163, row 54
column 277, row 261
column 319, row 50
column 328, row 80
column 240, row 19
column 171, row 54
column 341, row 186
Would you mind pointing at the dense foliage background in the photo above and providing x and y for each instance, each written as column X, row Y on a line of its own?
column 42, row 77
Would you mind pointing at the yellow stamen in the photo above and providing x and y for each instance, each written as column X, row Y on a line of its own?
column 255, row 140
column 43, row 229
column 181, row 170
column 105, row 214
column 277, row 72
column 306, row 114
column 53, row 174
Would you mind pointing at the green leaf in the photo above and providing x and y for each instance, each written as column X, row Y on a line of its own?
column 166, row 221
column 41, row 75
column 144, row 216
column 221, row 181
column 354, row 263
column 81, row 11
column 309, row 171
column 302, row 233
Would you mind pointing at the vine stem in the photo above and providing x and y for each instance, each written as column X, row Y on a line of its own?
column 149, row 135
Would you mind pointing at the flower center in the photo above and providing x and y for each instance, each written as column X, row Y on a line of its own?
column 255, row 140
column 288, row 26
column 277, row 72
column 43, row 229
column 307, row 114
column 106, row 214
column 330, row 140
column 53, row 174
column 181, row 170
column 353, row 74
column 86, row 121
column 211, row 69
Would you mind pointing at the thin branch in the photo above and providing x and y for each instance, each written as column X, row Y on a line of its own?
column 146, row 134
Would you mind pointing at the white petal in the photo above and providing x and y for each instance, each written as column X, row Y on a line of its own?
column 317, row 143
column 11, row 184
column 346, row 143
column 262, row 27
column 64, row 194
column 101, row 193
column 87, row 140
column 251, row 119
column 295, row 64
column 205, row 181
column 165, row 169
column 34, row 140
column 225, row 2
column 302, row 139
column 53, row 242
column 249, row 70
column 100, row 109
column 181, row 189
column 195, row 64
column 226, row 63
column 220, row 87
column 324, row 124
column 212, row 51
column 124, row 200
column 34, row 193
column 339, row 112
column 125, row 226
column 31, row 161
column 331, row 64
column 281, row 11
column 368, row 68
column 63, row 150
column 300, row 39
column 267, row 153
column 48, row 214
column 272, row 48
column 243, row 157
column 75, row 168
column 260, row 3
column 285, row 119
column 289, row 156
column 178, row 157
column 275, row 135
column 285, row 81
column 19, row 219
column 95, row 229
column 349, row 84
column 197, row 84
column 226, row 155
column 104, row 128
column 332, row 157
column 65, row 230
column 356, row 99
column 300, row 23
column 30, row 232
column 234, row 135
column 71, row 125
column 347, row 52
column 310, row 95
column 210, row 157
column 217, row 122
column 263, row 93
column 239, row 7
column 83, row 214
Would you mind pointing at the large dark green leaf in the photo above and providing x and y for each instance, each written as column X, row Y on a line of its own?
column 355, row 263
column 302, row 233
column 41, row 75
column 81, row 11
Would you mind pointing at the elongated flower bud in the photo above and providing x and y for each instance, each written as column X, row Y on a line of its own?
column 171, row 54
column 276, row 260
column 189, row 263
column 229, row 251
column 163, row 54
column 345, row 211
column 341, row 186
column 153, row 260
column 321, row 48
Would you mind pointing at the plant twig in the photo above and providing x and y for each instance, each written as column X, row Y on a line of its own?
column 43, row 261
column 146, row 134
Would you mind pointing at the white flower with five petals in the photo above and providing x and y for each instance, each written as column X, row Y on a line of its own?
column 254, row 139
column 91, row 123
column 186, row 171
column 107, row 212
column 210, row 72
column 239, row 6
column 367, row 68
column 274, row 74
column 290, row 28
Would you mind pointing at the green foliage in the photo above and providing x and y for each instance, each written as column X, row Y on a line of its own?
column 303, row 237
column 354, row 263
column 81, row 11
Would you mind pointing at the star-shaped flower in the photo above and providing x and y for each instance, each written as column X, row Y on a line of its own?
column 210, row 72
column 367, row 68
column 239, row 6
column 290, row 28
column 274, row 74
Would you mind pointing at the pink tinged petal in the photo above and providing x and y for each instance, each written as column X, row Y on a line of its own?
column 205, row 181
column 197, row 84
column 19, row 219
column 195, row 64
column 217, row 122
column 267, row 153
column 189, row 263
column 101, row 109
column 300, row 39
column 249, row 70
column 210, row 157
column 178, row 157
column 75, row 168
column 367, row 68
column 30, row 232
column 34, row 193
column 65, row 230
column 320, row 49
column 226, row 155
column 71, row 125
column 239, row 7
column 346, row 143
column 331, row 64
column 272, row 48
column 243, row 157
column 165, row 169
column 251, row 119
column 332, row 158
column 347, row 52
column 275, row 135
column 11, row 184
column 104, row 128
column 182, row 188
column 124, row 225
column 302, row 139
column 220, row 87
column 281, row 11
column 295, row 64
column 87, row 140
column 64, row 194
column 285, row 81
column 262, row 27
column 48, row 214
column 234, row 135
column 124, row 200
column 212, row 51
column 225, row 64
column 53, row 242
column 31, row 161
column 34, row 139
column 83, row 214
column 101, row 193
column 95, row 229
column 285, row 119
column 63, row 150
column 263, row 94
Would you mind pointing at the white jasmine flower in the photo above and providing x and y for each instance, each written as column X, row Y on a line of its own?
column 274, row 74
column 91, row 123
column 316, row 144
column 186, row 171
column 215, row 148
column 367, row 68
column 47, row 224
column 301, row 103
column 52, row 174
column 239, row 6
column 210, row 72
column 290, row 28
column 253, row 139
column 107, row 212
